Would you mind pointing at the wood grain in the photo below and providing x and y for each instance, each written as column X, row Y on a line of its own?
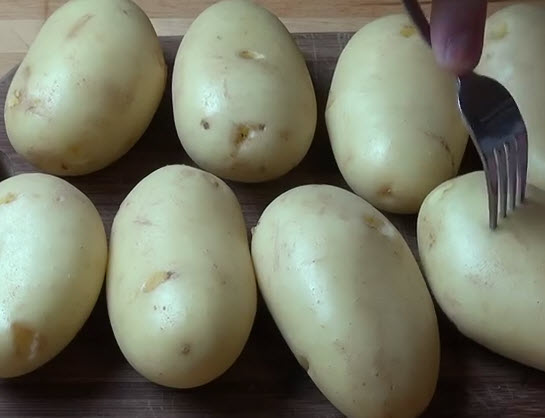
column 20, row 20
column 91, row 378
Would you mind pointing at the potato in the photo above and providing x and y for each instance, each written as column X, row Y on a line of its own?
column 181, row 276
column 392, row 117
column 53, row 250
column 88, row 87
column 513, row 55
column 489, row 283
column 348, row 297
column 244, row 103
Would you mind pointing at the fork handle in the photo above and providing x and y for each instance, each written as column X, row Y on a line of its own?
column 419, row 18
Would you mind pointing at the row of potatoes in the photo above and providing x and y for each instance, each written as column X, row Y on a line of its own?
column 338, row 278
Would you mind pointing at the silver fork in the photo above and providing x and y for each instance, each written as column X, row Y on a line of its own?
column 496, row 128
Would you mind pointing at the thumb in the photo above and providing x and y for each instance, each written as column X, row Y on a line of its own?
column 457, row 31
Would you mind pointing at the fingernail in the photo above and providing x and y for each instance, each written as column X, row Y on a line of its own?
column 458, row 54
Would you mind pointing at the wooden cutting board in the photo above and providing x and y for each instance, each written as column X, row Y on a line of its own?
column 91, row 377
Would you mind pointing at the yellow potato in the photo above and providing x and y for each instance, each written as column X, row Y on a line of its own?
column 489, row 283
column 53, row 250
column 348, row 297
column 244, row 103
column 88, row 87
column 392, row 117
column 181, row 287
column 513, row 55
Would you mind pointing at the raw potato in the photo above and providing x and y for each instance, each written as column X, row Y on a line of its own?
column 392, row 117
column 244, row 103
column 349, row 298
column 513, row 54
column 489, row 283
column 87, row 88
column 53, row 250
column 181, row 287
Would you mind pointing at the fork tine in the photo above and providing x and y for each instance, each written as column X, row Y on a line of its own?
column 512, row 163
column 501, row 164
column 522, row 159
column 491, row 174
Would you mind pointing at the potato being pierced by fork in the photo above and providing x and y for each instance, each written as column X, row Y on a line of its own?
column 489, row 283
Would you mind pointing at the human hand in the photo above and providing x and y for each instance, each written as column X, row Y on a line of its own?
column 457, row 31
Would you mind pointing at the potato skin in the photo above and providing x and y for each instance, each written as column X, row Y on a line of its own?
column 392, row 117
column 348, row 297
column 53, row 249
column 180, row 275
column 513, row 55
column 489, row 283
column 88, row 87
column 244, row 103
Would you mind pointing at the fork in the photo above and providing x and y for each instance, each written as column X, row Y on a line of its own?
column 497, row 130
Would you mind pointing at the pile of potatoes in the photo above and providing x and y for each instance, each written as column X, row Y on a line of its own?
column 338, row 278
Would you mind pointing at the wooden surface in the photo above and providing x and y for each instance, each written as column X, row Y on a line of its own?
column 91, row 377
column 20, row 20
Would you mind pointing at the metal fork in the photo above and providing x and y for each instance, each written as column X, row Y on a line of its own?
column 496, row 127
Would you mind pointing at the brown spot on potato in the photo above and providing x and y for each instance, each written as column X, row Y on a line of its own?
column 8, row 198
column 479, row 281
column 36, row 107
column 64, row 166
column 210, row 178
column 78, row 26
column 498, row 32
column 285, row 136
column 446, row 147
column 126, row 203
column 245, row 131
column 385, row 191
column 432, row 239
column 143, row 221
column 75, row 149
column 27, row 342
column 19, row 93
column 205, row 124
column 340, row 346
column 445, row 189
column 373, row 222
column 186, row 349
column 250, row 55
column 444, row 144
column 156, row 280
column 15, row 99
column 407, row 31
